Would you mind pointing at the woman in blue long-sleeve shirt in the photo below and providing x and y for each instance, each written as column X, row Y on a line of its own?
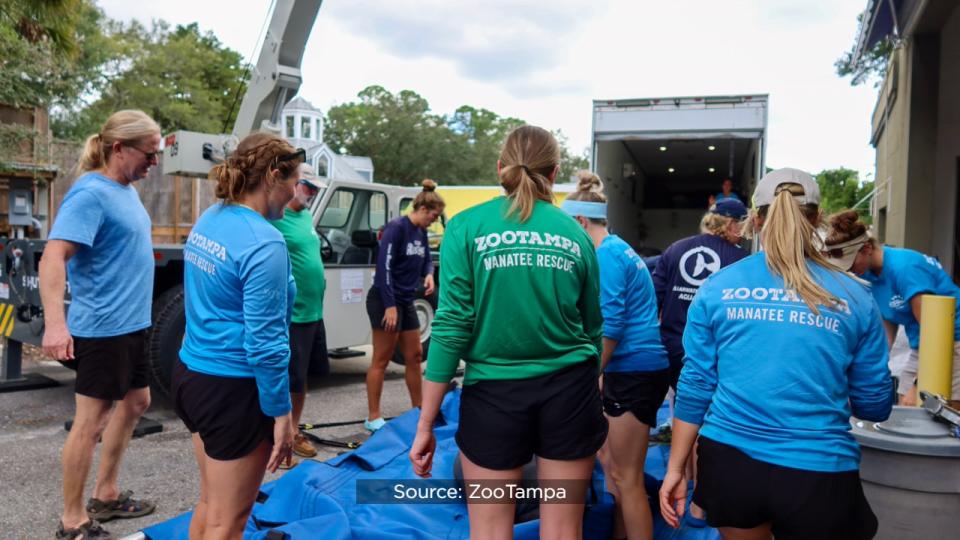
column 403, row 266
column 633, row 361
column 781, row 348
column 231, row 386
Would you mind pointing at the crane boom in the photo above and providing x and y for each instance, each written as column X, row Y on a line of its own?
column 276, row 77
column 274, row 81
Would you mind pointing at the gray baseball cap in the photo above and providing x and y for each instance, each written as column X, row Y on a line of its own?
column 766, row 189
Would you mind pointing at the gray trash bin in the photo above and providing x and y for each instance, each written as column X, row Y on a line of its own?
column 910, row 469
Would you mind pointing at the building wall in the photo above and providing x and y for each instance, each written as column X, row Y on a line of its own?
column 891, row 120
column 945, row 201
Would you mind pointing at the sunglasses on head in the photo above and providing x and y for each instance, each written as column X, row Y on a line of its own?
column 299, row 154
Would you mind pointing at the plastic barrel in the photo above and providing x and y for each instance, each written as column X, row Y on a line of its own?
column 910, row 470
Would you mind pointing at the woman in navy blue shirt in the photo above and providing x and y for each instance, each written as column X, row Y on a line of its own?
column 403, row 266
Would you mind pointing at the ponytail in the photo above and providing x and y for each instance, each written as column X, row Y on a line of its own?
column 787, row 238
column 92, row 157
column 529, row 156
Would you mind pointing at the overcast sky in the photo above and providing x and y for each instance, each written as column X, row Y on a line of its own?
column 545, row 60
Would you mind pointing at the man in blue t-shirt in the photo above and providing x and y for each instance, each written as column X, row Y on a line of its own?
column 101, row 241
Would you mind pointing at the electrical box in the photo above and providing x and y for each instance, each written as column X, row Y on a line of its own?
column 20, row 207
column 190, row 153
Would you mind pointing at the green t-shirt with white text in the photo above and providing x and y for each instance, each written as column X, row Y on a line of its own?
column 517, row 300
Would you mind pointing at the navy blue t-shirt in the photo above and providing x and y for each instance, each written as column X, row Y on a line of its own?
column 680, row 272
column 403, row 262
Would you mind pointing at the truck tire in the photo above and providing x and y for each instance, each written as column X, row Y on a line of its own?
column 426, row 308
column 165, row 337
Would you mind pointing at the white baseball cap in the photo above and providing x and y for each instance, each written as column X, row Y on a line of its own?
column 766, row 189
column 308, row 176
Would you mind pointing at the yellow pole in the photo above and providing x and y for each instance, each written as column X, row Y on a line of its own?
column 935, row 370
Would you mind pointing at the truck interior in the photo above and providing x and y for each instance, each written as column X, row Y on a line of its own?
column 659, row 188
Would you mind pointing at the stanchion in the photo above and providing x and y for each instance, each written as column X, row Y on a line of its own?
column 935, row 368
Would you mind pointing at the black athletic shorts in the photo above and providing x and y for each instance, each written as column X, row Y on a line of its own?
column 503, row 424
column 406, row 314
column 736, row 490
column 308, row 347
column 225, row 411
column 109, row 367
column 676, row 366
column 638, row 392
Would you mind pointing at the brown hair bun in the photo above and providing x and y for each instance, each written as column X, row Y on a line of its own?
column 428, row 185
column 589, row 182
column 845, row 225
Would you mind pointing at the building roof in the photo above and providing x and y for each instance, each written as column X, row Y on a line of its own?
column 360, row 163
column 340, row 168
column 300, row 104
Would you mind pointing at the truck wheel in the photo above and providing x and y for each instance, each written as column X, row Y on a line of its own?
column 426, row 307
column 165, row 337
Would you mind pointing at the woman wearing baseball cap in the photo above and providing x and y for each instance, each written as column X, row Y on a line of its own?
column 781, row 349
column 898, row 278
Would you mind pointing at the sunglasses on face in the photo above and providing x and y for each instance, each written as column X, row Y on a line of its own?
column 837, row 253
column 151, row 156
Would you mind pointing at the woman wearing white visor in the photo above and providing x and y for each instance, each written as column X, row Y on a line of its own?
column 898, row 277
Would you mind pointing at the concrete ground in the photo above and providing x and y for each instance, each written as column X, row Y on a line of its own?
column 159, row 467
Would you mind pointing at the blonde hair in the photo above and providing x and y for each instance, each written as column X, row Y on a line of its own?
column 529, row 156
column 717, row 225
column 125, row 126
column 589, row 189
column 429, row 197
column 248, row 167
column 787, row 238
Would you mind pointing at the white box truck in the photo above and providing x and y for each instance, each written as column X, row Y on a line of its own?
column 662, row 158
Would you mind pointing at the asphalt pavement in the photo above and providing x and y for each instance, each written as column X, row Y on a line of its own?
column 160, row 467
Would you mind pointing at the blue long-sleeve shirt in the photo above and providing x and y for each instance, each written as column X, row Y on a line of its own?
column 766, row 375
column 403, row 262
column 239, row 292
column 680, row 271
column 907, row 273
column 629, row 308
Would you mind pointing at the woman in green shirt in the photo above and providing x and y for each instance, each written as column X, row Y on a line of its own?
column 519, row 303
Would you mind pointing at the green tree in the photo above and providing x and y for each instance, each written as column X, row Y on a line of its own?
column 842, row 189
column 482, row 132
column 184, row 78
column 872, row 64
column 570, row 163
column 50, row 51
column 408, row 142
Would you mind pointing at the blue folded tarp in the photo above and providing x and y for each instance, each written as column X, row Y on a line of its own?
column 319, row 499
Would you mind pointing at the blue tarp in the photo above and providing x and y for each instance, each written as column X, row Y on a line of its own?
column 318, row 499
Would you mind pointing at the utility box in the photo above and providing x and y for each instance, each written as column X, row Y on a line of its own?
column 20, row 202
column 191, row 153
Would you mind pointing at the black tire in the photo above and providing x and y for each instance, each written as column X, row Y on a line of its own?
column 165, row 337
column 426, row 309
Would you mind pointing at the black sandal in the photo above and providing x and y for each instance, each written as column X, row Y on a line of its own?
column 124, row 507
column 88, row 531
